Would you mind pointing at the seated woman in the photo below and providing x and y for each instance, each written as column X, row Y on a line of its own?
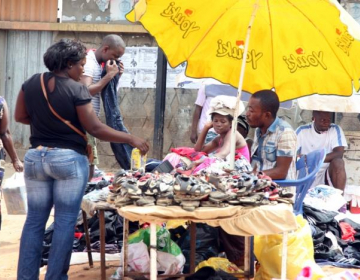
column 204, row 155
column 222, row 114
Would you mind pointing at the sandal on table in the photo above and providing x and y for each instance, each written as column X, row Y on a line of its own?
column 250, row 200
column 164, row 201
column 190, row 205
column 145, row 200
column 190, row 186
column 218, row 196
column 122, row 201
column 210, row 203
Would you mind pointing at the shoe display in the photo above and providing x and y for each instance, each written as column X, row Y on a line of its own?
column 192, row 191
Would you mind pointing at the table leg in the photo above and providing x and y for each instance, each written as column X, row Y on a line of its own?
column 192, row 246
column 87, row 238
column 153, row 256
column 124, row 258
column 284, row 256
column 247, row 259
column 252, row 258
column 102, row 244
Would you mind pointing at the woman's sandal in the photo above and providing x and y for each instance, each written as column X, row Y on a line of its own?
column 246, row 180
column 210, row 203
column 123, row 200
column 286, row 193
column 164, row 201
column 218, row 196
column 190, row 205
column 190, row 186
column 261, row 184
column 145, row 200
column 250, row 200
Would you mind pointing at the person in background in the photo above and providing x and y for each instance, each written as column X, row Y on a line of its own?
column 112, row 48
column 319, row 134
column 6, row 144
column 274, row 147
column 56, row 168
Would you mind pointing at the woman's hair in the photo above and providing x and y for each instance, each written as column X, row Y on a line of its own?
column 229, row 117
column 59, row 54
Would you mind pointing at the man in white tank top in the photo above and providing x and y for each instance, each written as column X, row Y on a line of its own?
column 321, row 133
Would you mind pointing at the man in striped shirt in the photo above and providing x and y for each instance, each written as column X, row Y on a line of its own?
column 111, row 49
column 321, row 133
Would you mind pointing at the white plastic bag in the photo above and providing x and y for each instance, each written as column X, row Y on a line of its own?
column 14, row 193
column 139, row 260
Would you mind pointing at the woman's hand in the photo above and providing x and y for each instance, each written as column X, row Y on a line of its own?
column 18, row 165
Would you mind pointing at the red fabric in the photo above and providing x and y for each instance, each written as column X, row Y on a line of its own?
column 347, row 231
column 78, row 235
column 189, row 153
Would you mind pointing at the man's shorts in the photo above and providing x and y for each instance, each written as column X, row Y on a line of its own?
column 93, row 142
column 322, row 178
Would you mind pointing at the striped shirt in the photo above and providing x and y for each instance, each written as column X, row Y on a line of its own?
column 278, row 141
column 93, row 69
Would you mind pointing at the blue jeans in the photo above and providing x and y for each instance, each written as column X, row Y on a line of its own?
column 114, row 119
column 53, row 177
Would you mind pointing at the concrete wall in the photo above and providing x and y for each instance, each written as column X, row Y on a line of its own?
column 96, row 11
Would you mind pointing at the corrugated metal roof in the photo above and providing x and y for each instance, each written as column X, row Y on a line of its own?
column 29, row 10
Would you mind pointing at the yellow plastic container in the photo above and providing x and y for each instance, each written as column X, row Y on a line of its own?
column 137, row 159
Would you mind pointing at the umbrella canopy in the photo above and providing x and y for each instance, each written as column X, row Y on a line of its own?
column 336, row 103
column 297, row 47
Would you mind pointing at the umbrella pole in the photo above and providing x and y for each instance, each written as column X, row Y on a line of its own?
column 241, row 80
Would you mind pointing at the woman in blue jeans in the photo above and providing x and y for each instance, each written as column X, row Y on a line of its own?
column 56, row 165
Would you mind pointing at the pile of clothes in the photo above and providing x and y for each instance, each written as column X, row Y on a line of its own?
column 336, row 238
column 189, row 191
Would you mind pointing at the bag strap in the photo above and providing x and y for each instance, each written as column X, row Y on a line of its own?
column 68, row 123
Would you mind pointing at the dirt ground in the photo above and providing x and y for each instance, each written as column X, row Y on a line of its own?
column 9, row 249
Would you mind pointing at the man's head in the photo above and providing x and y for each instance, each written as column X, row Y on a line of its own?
column 112, row 48
column 262, row 108
column 322, row 120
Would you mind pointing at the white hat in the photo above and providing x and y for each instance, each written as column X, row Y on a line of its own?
column 225, row 105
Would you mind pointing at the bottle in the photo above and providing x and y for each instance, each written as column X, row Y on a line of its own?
column 137, row 159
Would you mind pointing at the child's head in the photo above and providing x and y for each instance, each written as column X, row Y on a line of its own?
column 242, row 126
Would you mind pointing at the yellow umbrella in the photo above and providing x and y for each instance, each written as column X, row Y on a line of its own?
column 297, row 47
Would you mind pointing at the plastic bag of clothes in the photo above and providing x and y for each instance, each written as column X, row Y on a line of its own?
column 170, row 259
column 220, row 264
column 300, row 252
column 207, row 244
